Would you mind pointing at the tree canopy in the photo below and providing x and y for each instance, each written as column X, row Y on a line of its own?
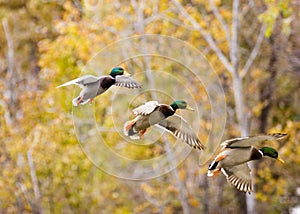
column 251, row 49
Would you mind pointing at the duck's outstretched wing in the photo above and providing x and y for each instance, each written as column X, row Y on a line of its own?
column 126, row 81
column 146, row 108
column 239, row 176
column 81, row 81
column 178, row 126
column 249, row 141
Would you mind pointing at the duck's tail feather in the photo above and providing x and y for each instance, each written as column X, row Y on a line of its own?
column 129, row 131
column 213, row 169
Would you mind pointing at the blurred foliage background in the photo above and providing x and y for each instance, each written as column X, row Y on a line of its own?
column 44, row 43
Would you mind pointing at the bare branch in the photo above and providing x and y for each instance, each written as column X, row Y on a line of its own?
column 24, row 191
column 153, row 17
column 176, row 22
column 111, row 30
column 152, row 200
column 10, row 52
column 33, row 175
column 245, row 10
column 209, row 39
column 10, row 67
column 220, row 19
column 254, row 51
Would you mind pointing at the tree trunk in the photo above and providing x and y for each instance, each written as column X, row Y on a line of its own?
column 240, row 109
column 246, row 203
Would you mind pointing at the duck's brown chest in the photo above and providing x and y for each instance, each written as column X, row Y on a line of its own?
column 167, row 111
column 107, row 82
column 255, row 154
column 159, row 114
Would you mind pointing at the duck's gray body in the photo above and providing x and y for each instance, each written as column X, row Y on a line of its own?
column 93, row 86
column 244, row 155
column 92, row 89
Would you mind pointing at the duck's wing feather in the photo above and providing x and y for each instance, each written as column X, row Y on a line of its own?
column 81, row 81
column 179, row 127
column 249, row 141
column 146, row 108
column 239, row 176
column 126, row 81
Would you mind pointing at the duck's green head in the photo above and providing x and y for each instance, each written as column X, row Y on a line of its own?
column 118, row 71
column 268, row 151
column 180, row 104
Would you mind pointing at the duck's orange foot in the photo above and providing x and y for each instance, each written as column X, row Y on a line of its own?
column 92, row 100
column 79, row 100
column 216, row 172
column 141, row 133
column 212, row 173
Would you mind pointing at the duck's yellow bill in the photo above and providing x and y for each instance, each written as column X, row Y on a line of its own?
column 282, row 161
column 189, row 108
column 126, row 73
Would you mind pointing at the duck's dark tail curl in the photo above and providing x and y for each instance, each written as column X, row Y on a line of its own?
column 129, row 131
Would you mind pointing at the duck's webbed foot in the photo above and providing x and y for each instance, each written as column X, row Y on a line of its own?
column 142, row 132
column 213, row 172
column 216, row 172
column 79, row 100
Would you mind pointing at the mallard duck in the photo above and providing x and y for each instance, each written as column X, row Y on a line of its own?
column 93, row 86
column 163, row 116
column 232, row 161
